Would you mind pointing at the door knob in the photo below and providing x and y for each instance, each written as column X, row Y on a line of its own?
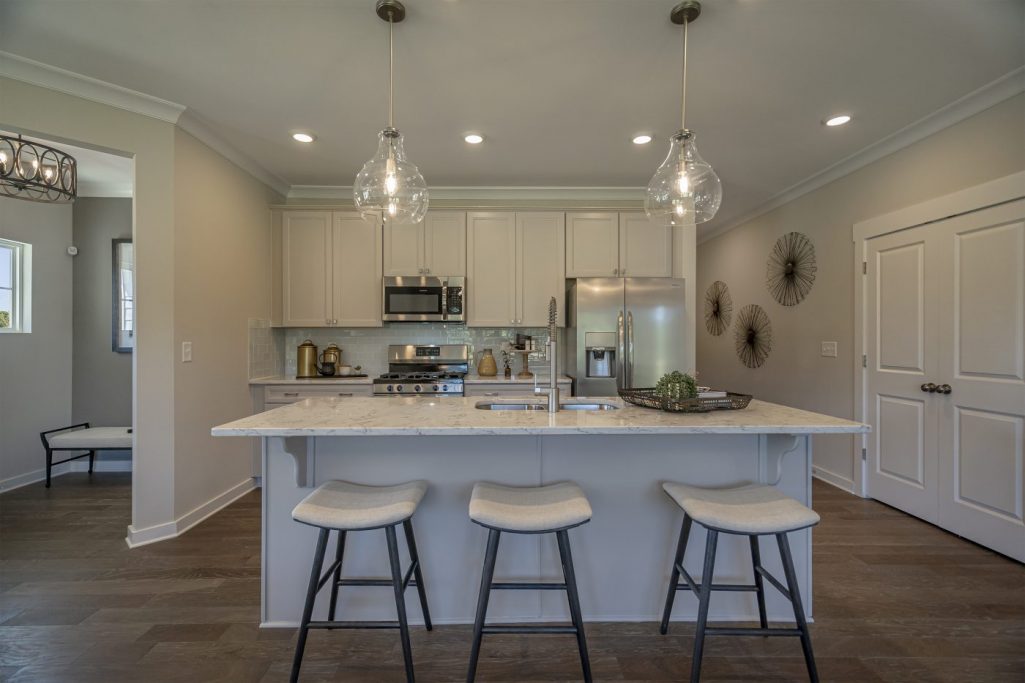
column 929, row 388
column 944, row 389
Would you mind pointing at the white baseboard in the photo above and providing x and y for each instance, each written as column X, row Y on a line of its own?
column 162, row 532
column 82, row 465
column 833, row 479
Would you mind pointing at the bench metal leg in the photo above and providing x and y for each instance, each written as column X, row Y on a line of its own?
column 339, row 550
column 674, row 579
column 482, row 601
column 756, row 562
column 574, row 600
column 311, row 596
column 704, row 598
column 414, row 557
column 795, row 600
column 400, row 600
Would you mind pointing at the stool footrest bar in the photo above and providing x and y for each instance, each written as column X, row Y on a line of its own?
column 528, row 585
column 512, row 628
column 725, row 631
column 353, row 624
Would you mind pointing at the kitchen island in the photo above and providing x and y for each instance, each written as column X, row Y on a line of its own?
column 618, row 456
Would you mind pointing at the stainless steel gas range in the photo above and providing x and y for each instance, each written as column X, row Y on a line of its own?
column 424, row 370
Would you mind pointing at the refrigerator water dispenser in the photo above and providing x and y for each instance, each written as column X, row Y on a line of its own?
column 601, row 354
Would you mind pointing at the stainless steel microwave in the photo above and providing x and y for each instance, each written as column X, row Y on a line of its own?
column 419, row 298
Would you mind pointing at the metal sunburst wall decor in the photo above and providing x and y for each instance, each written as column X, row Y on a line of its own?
column 753, row 336
column 718, row 308
column 790, row 271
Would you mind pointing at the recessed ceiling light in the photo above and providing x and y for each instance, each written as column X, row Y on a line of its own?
column 302, row 137
column 474, row 139
column 838, row 120
column 642, row 139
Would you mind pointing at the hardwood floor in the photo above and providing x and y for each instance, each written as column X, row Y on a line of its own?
column 895, row 599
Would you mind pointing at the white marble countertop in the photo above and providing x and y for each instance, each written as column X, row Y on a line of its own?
column 469, row 379
column 375, row 416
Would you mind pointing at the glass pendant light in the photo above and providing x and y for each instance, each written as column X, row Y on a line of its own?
column 389, row 185
column 684, row 189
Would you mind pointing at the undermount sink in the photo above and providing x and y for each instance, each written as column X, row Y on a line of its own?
column 486, row 405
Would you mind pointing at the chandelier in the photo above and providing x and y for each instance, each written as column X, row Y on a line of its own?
column 36, row 172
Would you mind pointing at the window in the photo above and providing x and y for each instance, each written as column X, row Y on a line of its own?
column 124, row 297
column 15, row 281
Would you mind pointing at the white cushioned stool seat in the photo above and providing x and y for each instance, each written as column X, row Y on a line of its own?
column 346, row 506
column 752, row 509
column 529, row 508
column 91, row 438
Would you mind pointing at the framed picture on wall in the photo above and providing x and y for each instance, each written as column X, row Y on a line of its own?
column 123, row 302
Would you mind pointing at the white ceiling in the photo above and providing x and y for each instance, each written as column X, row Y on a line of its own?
column 558, row 87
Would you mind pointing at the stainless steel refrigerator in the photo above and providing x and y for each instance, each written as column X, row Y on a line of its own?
column 623, row 332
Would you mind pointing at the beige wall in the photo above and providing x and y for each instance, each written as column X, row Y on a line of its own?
column 986, row 146
column 222, row 260
column 101, row 379
column 35, row 367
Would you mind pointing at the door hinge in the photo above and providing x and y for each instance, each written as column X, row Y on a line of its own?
column 864, row 360
column 864, row 453
column 864, row 267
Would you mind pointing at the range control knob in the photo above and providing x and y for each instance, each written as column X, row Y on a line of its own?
column 434, row 388
column 398, row 387
column 391, row 388
column 444, row 387
column 417, row 388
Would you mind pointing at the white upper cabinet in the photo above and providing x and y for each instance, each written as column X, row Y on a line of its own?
column 306, row 268
column 592, row 244
column 356, row 255
column 436, row 246
column 611, row 244
column 330, row 269
column 515, row 263
column 645, row 249
column 491, row 269
column 540, row 266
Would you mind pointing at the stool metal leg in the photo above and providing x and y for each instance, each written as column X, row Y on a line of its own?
column 414, row 557
column 482, row 601
column 756, row 562
column 339, row 552
column 574, row 600
column 92, row 458
column 795, row 599
column 400, row 600
column 49, row 466
column 704, row 598
column 311, row 596
column 681, row 547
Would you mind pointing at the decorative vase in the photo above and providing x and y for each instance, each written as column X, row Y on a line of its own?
column 487, row 367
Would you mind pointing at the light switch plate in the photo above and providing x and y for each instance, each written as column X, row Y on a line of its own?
column 186, row 352
column 829, row 349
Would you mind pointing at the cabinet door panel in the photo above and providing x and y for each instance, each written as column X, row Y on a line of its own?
column 645, row 249
column 306, row 268
column 592, row 244
column 445, row 243
column 540, row 249
column 491, row 269
column 403, row 249
column 357, row 270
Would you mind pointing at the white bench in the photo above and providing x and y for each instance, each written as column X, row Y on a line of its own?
column 82, row 437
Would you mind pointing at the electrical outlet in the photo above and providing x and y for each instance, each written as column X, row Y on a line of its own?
column 829, row 349
column 186, row 352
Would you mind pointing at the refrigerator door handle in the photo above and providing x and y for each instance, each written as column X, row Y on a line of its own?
column 620, row 351
column 630, row 349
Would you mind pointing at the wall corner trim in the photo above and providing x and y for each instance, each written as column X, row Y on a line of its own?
column 54, row 78
column 989, row 95
column 173, row 529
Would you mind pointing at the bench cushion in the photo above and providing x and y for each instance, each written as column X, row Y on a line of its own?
column 91, row 438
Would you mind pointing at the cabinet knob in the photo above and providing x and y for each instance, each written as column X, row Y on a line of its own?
column 615, row 271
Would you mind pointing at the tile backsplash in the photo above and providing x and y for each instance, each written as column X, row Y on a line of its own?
column 266, row 349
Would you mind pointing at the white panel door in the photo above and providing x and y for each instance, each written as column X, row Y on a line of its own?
column 403, row 249
column 445, row 243
column 306, row 268
column 592, row 244
column 982, row 347
column 491, row 269
column 540, row 259
column 357, row 257
column 902, row 356
column 645, row 249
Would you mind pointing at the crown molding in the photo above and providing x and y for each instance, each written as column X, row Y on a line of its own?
column 70, row 83
column 494, row 193
column 989, row 95
column 195, row 126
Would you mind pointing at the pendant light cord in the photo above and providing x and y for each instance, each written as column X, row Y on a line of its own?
column 391, row 72
column 683, row 97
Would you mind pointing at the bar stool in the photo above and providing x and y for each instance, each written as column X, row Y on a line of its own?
column 343, row 507
column 752, row 511
column 529, row 510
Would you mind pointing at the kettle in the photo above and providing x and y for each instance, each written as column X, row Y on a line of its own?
column 306, row 360
column 330, row 359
